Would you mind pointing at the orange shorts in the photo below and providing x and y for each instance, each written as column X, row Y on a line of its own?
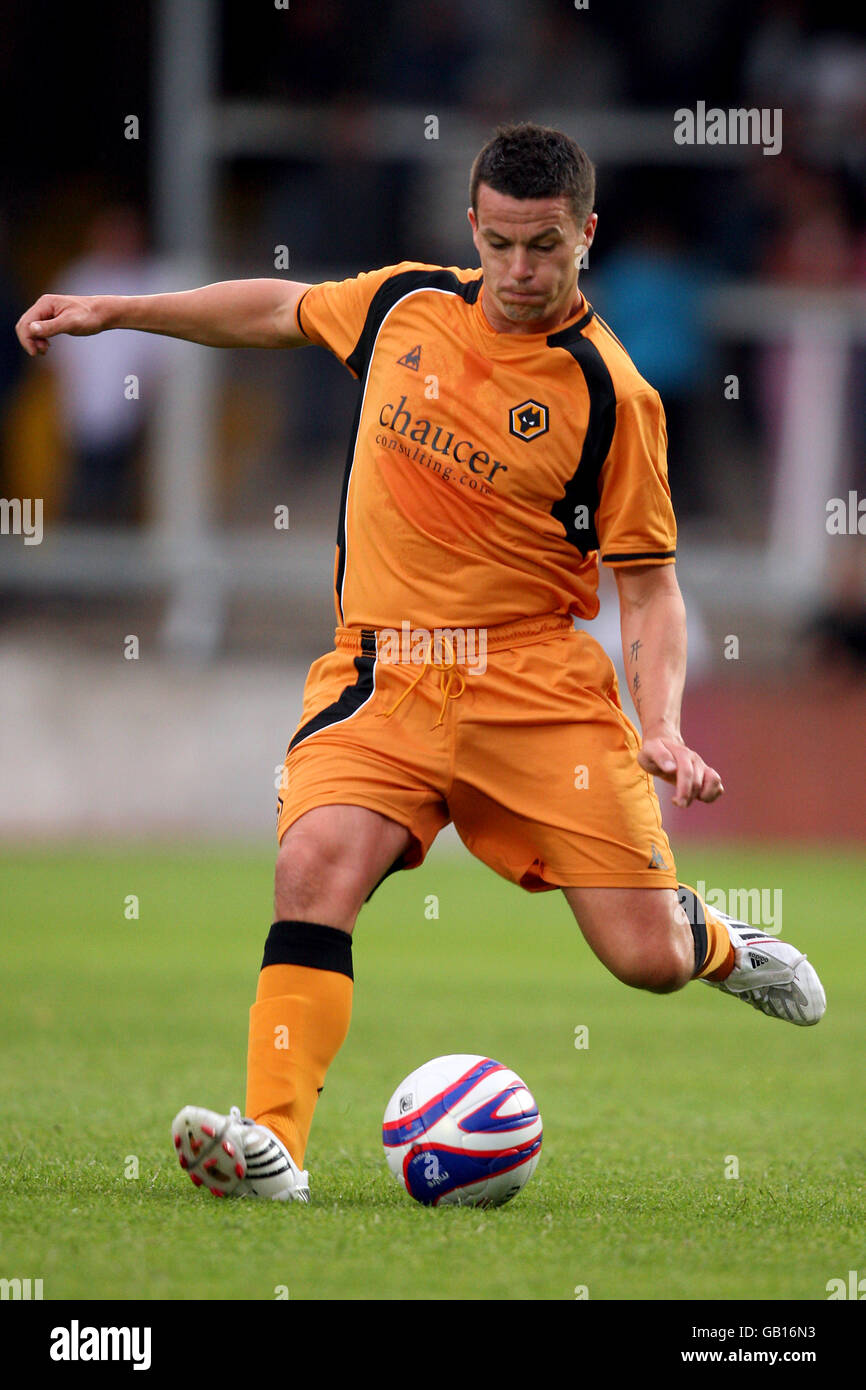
column 522, row 743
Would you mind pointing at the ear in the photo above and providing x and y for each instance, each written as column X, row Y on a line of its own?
column 589, row 229
column 473, row 222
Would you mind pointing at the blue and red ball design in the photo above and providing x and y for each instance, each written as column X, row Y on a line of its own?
column 462, row 1130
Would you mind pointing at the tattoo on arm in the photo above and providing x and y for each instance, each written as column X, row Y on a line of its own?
column 633, row 650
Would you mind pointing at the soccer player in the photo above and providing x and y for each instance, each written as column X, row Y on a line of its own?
column 503, row 444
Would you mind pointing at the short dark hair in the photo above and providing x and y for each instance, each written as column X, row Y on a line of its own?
column 535, row 161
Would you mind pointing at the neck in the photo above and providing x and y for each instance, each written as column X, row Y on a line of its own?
column 500, row 323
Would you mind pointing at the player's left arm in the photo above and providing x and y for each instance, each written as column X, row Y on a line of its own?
column 653, row 625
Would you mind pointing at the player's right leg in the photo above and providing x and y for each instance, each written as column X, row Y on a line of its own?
column 329, row 861
column 361, row 791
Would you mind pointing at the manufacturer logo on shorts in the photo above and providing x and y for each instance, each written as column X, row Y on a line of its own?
column 658, row 860
column 529, row 420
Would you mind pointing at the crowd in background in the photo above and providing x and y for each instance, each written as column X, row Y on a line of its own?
column 80, row 215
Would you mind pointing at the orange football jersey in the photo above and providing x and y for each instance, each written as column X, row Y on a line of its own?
column 486, row 471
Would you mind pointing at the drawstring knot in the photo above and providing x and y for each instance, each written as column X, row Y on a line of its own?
column 448, row 674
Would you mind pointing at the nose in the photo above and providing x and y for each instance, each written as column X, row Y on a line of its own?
column 518, row 265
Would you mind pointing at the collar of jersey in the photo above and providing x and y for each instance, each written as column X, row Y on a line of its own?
column 507, row 343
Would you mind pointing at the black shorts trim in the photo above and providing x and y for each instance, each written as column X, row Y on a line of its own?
column 351, row 699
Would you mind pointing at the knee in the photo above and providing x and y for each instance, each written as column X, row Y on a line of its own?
column 322, row 874
column 303, row 855
column 661, row 976
column 641, row 935
column 307, row 870
column 331, row 858
column 660, row 967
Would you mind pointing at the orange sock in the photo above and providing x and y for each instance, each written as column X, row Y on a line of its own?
column 297, row 1026
column 720, row 951
column 714, row 952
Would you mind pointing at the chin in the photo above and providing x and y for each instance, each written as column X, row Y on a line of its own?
column 520, row 312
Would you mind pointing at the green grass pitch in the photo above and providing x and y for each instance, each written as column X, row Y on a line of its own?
column 110, row 1024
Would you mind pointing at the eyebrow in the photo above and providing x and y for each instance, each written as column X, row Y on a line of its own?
column 539, row 236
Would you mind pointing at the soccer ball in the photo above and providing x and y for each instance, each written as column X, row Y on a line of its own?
column 462, row 1131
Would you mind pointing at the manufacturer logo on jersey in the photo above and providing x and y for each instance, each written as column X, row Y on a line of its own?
column 529, row 420
column 412, row 358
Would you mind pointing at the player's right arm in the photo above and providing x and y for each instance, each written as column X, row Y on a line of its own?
column 232, row 313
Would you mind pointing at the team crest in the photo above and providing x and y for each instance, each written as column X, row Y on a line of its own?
column 529, row 420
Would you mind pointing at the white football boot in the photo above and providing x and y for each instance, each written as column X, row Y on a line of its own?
column 771, row 975
column 234, row 1157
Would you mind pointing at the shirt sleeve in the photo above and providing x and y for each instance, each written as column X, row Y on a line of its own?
column 635, row 519
column 333, row 314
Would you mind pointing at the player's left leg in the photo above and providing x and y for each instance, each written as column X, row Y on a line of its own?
column 548, row 792
column 642, row 935
column 660, row 939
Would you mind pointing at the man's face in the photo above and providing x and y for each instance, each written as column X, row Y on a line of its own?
column 529, row 249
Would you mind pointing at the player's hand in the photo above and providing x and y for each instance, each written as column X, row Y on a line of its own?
column 58, row 313
column 668, row 757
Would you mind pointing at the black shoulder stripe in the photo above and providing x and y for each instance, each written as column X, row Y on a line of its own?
column 358, row 361
column 582, row 488
column 607, row 328
column 395, row 288
column 569, row 335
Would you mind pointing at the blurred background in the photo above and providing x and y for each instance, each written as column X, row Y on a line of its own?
column 156, row 629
